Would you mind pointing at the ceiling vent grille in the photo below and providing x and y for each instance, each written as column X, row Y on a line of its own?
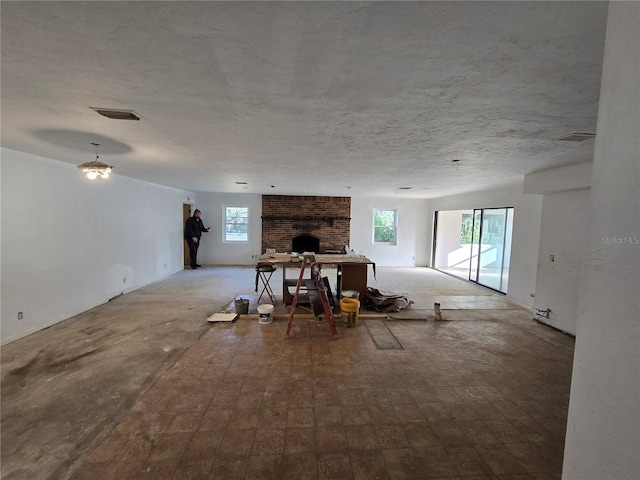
column 577, row 137
column 116, row 114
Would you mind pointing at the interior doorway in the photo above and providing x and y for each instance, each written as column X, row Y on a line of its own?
column 475, row 245
column 186, row 213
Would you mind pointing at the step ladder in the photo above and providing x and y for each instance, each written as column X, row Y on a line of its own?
column 310, row 261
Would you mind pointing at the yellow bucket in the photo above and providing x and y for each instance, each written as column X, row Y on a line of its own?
column 350, row 306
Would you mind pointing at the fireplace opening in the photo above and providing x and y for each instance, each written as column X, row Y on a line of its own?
column 305, row 243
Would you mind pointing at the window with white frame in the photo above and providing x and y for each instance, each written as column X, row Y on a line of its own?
column 236, row 224
column 385, row 226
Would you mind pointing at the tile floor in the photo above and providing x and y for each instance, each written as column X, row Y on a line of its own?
column 476, row 399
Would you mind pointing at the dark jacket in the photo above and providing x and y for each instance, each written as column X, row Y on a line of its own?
column 194, row 228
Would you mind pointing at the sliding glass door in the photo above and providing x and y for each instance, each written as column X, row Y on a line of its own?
column 475, row 245
column 491, row 247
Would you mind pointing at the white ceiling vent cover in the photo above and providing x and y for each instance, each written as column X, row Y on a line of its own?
column 577, row 137
column 116, row 114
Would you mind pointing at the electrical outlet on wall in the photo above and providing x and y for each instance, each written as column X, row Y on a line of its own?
column 20, row 315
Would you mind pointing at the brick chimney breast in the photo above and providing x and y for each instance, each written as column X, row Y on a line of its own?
column 285, row 217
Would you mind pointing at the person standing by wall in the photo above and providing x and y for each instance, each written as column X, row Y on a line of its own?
column 192, row 232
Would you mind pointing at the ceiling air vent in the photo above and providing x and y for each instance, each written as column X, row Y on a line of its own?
column 116, row 114
column 577, row 137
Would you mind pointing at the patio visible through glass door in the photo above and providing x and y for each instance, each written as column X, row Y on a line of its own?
column 475, row 245
column 491, row 247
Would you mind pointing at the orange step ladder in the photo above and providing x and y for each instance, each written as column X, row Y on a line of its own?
column 310, row 260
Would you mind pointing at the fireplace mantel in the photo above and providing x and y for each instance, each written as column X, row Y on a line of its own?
column 303, row 218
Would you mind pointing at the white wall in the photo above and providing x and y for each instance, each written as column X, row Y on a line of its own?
column 563, row 234
column 448, row 239
column 563, row 179
column 213, row 250
column 414, row 231
column 603, row 426
column 526, row 232
column 565, row 217
column 68, row 242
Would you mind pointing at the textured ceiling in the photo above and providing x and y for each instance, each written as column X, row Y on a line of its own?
column 346, row 98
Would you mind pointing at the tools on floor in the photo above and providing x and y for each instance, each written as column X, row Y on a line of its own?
column 543, row 313
column 438, row 312
column 309, row 261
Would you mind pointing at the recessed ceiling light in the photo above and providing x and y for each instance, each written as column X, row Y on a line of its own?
column 115, row 114
column 405, row 188
column 577, row 137
column 241, row 183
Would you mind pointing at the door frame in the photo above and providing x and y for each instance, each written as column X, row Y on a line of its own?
column 186, row 213
column 508, row 210
column 476, row 229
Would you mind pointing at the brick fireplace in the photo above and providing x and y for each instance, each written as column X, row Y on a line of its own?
column 286, row 217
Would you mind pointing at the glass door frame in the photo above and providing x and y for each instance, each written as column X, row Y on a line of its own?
column 476, row 254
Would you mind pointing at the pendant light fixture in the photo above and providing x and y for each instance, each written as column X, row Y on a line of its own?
column 96, row 168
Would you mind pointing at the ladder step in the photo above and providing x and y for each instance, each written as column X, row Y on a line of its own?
column 318, row 282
